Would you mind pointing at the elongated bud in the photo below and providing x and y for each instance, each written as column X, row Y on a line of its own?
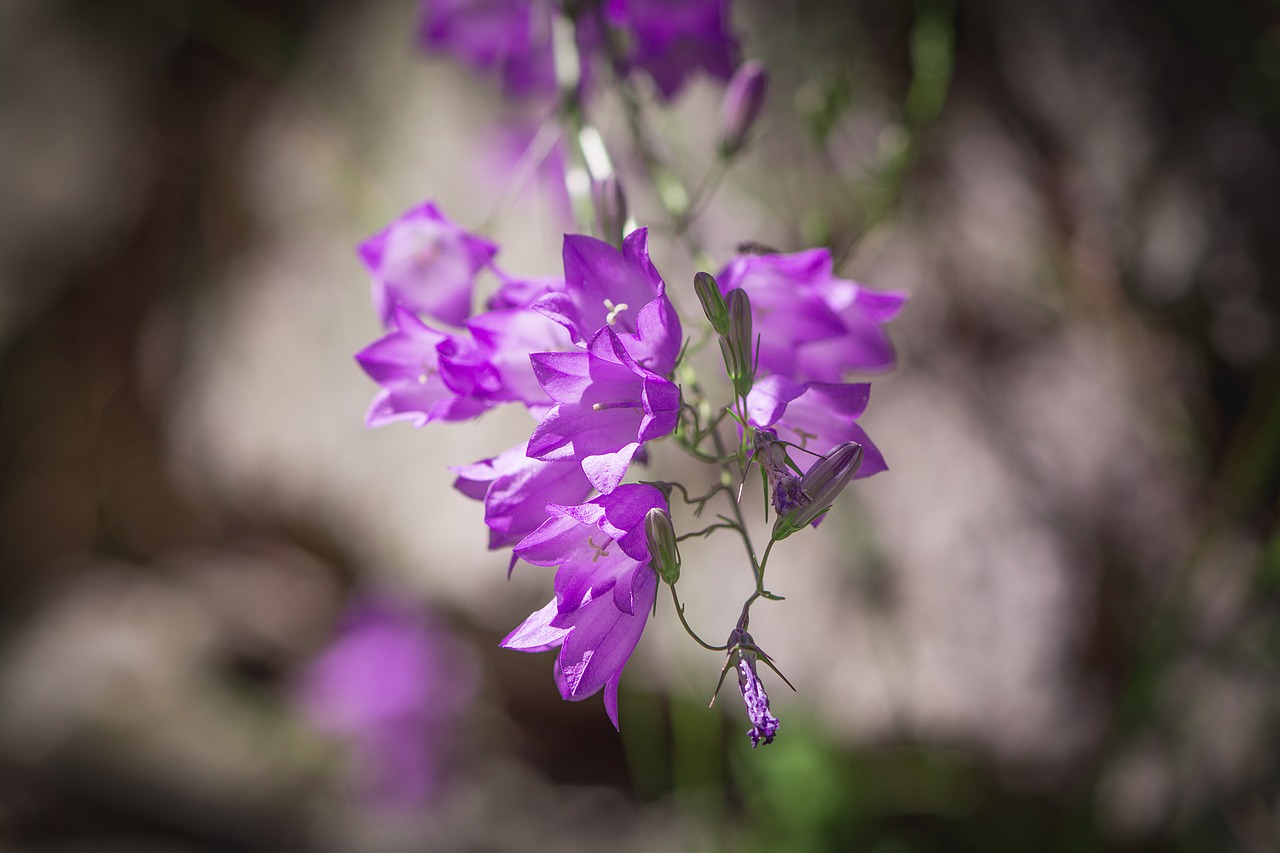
column 713, row 304
column 825, row 480
column 741, row 342
column 743, row 98
column 664, row 553
column 611, row 209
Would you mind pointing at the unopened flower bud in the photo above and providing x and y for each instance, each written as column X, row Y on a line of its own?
column 664, row 553
column 825, row 480
column 611, row 209
column 741, row 342
column 713, row 304
column 743, row 98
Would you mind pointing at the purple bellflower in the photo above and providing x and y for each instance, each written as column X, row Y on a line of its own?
column 620, row 290
column 392, row 685
column 511, row 36
column 672, row 39
column 412, row 364
column 604, row 589
column 815, row 416
column 820, row 326
column 516, row 490
column 606, row 407
column 504, row 340
column 427, row 264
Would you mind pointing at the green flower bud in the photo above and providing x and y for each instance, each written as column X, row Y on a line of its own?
column 741, row 342
column 713, row 304
column 825, row 480
column 664, row 553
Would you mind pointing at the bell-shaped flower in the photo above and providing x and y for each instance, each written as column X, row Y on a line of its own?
column 522, row 292
column 516, row 490
column 672, row 39
column 618, row 290
column 606, row 407
column 504, row 341
column 604, row 588
column 419, row 384
column 394, row 685
column 510, row 36
column 425, row 263
column 820, row 327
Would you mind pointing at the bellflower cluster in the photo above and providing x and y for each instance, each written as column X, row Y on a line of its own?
column 670, row 40
column 606, row 366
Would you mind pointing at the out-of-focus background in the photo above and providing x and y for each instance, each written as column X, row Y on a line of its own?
column 233, row 618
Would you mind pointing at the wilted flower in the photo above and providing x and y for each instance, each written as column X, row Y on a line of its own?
column 743, row 653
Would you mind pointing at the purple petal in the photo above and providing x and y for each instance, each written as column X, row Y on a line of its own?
column 600, row 642
column 536, row 634
column 769, row 397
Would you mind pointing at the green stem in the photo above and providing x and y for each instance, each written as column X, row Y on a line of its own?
column 692, row 633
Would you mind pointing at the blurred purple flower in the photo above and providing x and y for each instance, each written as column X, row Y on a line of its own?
column 673, row 39
column 512, row 36
column 669, row 39
column 606, row 406
column 605, row 586
column 427, row 264
column 820, row 326
column 392, row 685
